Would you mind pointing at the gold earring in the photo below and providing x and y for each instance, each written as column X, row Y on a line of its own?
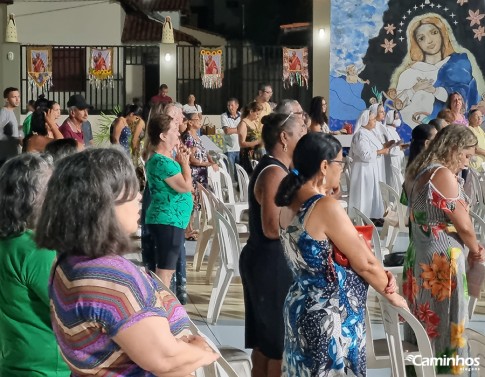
column 285, row 148
column 324, row 181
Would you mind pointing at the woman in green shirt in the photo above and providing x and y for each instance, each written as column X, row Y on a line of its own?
column 170, row 183
column 28, row 347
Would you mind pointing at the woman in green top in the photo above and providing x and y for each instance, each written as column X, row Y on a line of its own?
column 28, row 347
column 170, row 183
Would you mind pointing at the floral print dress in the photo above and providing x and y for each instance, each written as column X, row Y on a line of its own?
column 199, row 173
column 324, row 310
column 434, row 278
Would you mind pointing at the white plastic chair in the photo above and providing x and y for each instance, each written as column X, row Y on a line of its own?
column 240, row 229
column 377, row 350
column 254, row 163
column 221, row 368
column 396, row 219
column 223, row 162
column 228, row 267
column 477, row 194
column 379, row 251
column 476, row 341
column 398, row 357
column 243, row 181
column 220, row 181
column 206, row 228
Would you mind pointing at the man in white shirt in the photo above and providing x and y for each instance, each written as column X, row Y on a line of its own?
column 229, row 121
column 7, row 115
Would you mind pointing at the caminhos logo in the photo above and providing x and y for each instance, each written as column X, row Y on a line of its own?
column 469, row 363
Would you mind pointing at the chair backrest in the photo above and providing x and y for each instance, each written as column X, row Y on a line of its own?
column 221, row 367
column 207, row 213
column 390, row 317
column 243, row 181
column 214, row 178
column 254, row 163
column 223, row 161
column 393, row 202
column 376, row 243
column 476, row 342
column 227, row 186
column 229, row 243
column 477, row 195
column 479, row 225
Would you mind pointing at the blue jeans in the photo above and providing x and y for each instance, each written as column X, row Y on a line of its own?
column 233, row 158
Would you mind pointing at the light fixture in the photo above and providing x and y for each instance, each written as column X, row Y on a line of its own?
column 321, row 33
column 168, row 57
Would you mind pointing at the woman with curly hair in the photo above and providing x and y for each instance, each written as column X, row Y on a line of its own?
column 434, row 278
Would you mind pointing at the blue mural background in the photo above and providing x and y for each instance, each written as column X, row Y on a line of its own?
column 368, row 42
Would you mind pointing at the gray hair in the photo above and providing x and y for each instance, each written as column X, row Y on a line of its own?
column 23, row 182
column 71, row 109
column 89, row 184
column 285, row 106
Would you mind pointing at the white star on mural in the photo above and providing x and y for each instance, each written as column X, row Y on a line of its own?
column 432, row 5
column 404, row 17
column 415, row 7
column 452, row 15
column 455, row 22
column 401, row 38
column 401, row 23
column 445, row 9
column 400, row 30
column 438, row 6
column 409, row 11
column 422, row 5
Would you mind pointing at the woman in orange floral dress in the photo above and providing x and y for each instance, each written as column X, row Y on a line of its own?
column 434, row 279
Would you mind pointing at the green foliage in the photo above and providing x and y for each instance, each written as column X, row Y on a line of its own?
column 102, row 136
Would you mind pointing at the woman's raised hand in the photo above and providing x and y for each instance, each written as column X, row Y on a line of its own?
column 183, row 155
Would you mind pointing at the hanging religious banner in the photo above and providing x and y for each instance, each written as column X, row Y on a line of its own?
column 39, row 66
column 101, row 67
column 295, row 67
column 211, row 68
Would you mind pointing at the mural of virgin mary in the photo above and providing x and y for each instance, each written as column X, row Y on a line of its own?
column 434, row 67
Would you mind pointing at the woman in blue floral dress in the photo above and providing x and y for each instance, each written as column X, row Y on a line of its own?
column 325, row 307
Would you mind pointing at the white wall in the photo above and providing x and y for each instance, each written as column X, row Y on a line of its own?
column 68, row 23
column 206, row 39
column 134, row 82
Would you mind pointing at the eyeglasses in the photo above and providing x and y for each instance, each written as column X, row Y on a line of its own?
column 341, row 162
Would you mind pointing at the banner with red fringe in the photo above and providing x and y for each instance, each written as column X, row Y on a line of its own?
column 295, row 67
column 211, row 67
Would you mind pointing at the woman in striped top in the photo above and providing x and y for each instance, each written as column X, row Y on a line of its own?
column 109, row 317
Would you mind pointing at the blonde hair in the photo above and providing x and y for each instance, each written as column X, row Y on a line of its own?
column 415, row 52
column 443, row 149
column 449, row 46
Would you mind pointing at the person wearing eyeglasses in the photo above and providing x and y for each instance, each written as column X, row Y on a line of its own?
column 264, row 272
column 265, row 92
column 324, row 309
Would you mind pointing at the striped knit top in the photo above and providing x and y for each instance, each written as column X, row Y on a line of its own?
column 93, row 299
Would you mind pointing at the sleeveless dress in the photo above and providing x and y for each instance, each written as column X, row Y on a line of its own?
column 434, row 277
column 266, row 278
column 199, row 173
column 125, row 137
column 324, row 310
column 248, row 154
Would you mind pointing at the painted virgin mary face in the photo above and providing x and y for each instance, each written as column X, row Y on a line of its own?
column 429, row 39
